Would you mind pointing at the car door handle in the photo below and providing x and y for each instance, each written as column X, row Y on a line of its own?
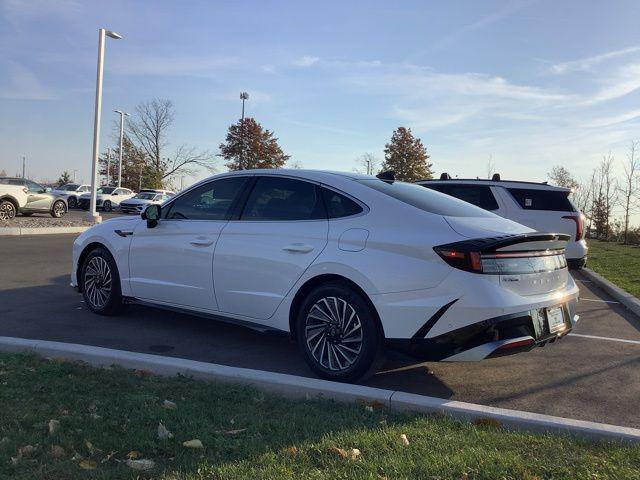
column 201, row 242
column 298, row 248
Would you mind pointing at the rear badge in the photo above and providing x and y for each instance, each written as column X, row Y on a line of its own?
column 510, row 278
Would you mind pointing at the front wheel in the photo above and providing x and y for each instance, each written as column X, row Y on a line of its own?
column 338, row 334
column 106, row 206
column 58, row 209
column 73, row 203
column 100, row 283
column 7, row 210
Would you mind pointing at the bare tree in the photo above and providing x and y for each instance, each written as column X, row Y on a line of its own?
column 562, row 177
column 630, row 185
column 603, row 197
column 491, row 167
column 367, row 163
column 150, row 129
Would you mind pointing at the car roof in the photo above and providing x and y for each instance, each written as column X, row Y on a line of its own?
column 496, row 183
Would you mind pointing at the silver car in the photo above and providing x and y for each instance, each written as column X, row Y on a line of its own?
column 39, row 200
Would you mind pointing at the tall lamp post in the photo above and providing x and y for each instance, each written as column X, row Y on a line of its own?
column 243, row 96
column 92, row 215
column 122, row 115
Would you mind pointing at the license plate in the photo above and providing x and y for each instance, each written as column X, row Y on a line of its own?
column 555, row 317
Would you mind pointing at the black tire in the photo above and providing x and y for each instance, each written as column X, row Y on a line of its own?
column 106, row 206
column 73, row 203
column 7, row 210
column 99, row 270
column 343, row 365
column 58, row 209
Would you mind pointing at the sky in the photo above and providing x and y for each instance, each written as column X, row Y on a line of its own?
column 529, row 84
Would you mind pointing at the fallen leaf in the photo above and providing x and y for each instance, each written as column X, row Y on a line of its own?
column 142, row 464
column 142, row 373
column 353, row 453
column 404, row 439
column 53, row 426
column 231, row 432
column 339, row 451
column 487, row 422
column 57, row 451
column 163, row 433
column 293, row 451
column 464, row 476
column 133, row 454
column 26, row 451
column 195, row 443
column 375, row 404
column 169, row 405
column 91, row 448
column 88, row 464
column 15, row 460
column 108, row 457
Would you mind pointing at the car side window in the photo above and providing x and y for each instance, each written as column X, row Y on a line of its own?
column 283, row 199
column 211, row 201
column 33, row 186
column 338, row 205
column 478, row 195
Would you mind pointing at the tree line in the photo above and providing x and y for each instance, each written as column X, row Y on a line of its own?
column 603, row 192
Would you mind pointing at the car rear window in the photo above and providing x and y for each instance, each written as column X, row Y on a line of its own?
column 530, row 199
column 427, row 199
column 478, row 195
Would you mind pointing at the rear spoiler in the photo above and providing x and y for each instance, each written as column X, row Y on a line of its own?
column 525, row 242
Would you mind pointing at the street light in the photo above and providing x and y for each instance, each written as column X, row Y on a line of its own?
column 122, row 115
column 243, row 96
column 92, row 215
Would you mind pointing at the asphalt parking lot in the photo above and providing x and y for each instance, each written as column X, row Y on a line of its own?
column 593, row 374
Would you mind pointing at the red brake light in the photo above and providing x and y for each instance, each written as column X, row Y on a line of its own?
column 579, row 224
column 464, row 260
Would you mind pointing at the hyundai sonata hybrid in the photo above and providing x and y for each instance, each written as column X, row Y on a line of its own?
column 349, row 265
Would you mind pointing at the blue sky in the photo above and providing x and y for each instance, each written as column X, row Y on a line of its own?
column 530, row 83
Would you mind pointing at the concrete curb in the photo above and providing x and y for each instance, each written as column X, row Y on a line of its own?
column 625, row 298
column 13, row 231
column 301, row 387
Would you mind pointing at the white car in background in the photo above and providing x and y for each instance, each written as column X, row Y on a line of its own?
column 543, row 207
column 145, row 197
column 107, row 198
column 348, row 264
column 71, row 192
column 13, row 197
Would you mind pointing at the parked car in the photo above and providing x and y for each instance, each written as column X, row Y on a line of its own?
column 39, row 199
column 13, row 196
column 348, row 264
column 72, row 192
column 543, row 207
column 107, row 198
column 144, row 198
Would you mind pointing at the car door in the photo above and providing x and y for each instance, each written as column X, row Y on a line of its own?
column 38, row 200
column 260, row 256
column 172, row 263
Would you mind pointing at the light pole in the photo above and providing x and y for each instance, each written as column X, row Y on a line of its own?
column 122, row 115
column 92, row 215
column 243, row 96
column 74, row 175
column 24, row 161
column 108, row 164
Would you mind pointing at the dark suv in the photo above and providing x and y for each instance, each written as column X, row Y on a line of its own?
column 39, row 199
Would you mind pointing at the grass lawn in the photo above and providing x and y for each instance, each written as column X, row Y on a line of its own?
column 102, row 417
column 620, row 264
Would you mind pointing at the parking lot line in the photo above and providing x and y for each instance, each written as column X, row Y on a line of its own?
column 634, row 342
column 598, row 300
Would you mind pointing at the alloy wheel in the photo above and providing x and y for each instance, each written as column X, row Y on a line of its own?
column 59, row 209
column 333, row 333
column 98, row 282
column 7, row 211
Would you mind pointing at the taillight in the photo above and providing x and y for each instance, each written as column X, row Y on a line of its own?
column 503, row 263
column 579, row 224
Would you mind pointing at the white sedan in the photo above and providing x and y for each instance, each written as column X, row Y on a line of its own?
column 348, row 264
column 107, row 198
column 143, row 199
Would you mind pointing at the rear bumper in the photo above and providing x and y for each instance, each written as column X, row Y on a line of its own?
column 493, row 337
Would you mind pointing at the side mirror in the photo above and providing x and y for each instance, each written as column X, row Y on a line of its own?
column 151, row 214
column 114, row 194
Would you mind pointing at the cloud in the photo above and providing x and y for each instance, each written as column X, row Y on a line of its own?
column 621, row 83
column 306, row 61
column 22, row 84
column 588, row 63
column 614, row 119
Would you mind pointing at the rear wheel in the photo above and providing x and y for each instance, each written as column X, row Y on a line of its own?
column 100, row 283
column 106, row 206
column 73, row 203
column 338, row 333
column 7, row 210
column 58, row 209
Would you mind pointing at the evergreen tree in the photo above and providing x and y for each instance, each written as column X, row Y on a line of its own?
column 406, row 156
column 249, row 146
column 65, row 178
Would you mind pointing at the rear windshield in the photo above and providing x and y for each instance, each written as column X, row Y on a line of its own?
column 427, row 199
column 530, row 199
